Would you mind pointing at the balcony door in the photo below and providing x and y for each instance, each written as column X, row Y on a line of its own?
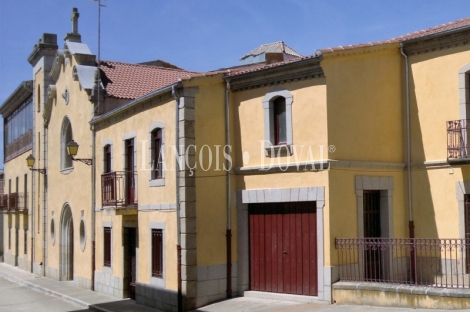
column 372, row 230
column 130, row 181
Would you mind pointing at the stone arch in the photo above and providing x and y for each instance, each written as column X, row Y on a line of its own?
column 66, row 244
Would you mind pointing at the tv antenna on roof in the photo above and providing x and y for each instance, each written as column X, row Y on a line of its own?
column 98, row 74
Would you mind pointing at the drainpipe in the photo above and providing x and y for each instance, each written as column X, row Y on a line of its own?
column 408, row 141
column 32, row 219
column 44, row 202
column 93, row 203
column 413, row 271
column 228, row 234
column 177, row 182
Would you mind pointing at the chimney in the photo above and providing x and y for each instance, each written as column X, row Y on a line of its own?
column 74, row 36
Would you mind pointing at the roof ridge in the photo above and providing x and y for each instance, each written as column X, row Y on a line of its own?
column 148, row 66
column 413, row 35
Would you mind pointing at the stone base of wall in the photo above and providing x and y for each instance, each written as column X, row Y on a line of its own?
column 52, row 273
column 212, row 283
column 109, row 284
column 37, row 269
column 396, row 295
column 10, row 259
column 156, row 297
column 24, row 264
column 82, row 282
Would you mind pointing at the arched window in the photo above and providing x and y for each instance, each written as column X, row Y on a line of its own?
column 277, row 106
column 66, row 136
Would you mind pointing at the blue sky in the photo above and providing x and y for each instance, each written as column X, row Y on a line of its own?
column 204, row 35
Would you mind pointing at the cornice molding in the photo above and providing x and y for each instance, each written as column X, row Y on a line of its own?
column 359, row 51
column 21, row 94
column 436, row 43
column 289, row 72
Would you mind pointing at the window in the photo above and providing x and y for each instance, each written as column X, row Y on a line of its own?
column 9, row 238
column 107, row 247
column 157, row 154
column 65, row 137
column 279, row 120
column 157, row 164
column 18, row 133
column 277, row 105
column 130, row 178
column 107, row 159
column 157, row 253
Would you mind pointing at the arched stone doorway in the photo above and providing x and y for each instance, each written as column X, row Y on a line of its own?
column 66, row 244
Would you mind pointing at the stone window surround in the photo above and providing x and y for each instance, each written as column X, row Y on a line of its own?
column 464, row 92
column 274, row 150
column 125, row 137
column 103, row 145
column 105, row 269
column 63, row 146
column 158, row 282
column 155, row 125
column 245, row 197
column 385, row 185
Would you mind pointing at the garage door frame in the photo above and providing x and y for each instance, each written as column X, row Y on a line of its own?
column 245, row 197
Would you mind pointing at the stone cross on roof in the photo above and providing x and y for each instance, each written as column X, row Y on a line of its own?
column 74, row 19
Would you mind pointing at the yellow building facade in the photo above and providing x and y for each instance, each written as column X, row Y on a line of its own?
column 279, row 176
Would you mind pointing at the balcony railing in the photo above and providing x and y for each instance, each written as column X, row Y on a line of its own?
column 118, row 189
column 441, row 263
column 14, row 202
column 458, row 136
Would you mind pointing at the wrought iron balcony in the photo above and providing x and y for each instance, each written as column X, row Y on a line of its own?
column 14, row 202
column 443, row 263
column 458, row 140
column 118, row 189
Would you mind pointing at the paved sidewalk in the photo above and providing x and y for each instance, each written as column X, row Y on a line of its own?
column 68, row 291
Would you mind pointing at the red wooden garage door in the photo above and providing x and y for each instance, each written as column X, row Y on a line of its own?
column 283, row 248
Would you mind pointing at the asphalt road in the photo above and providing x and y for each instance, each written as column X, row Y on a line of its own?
column 14, row 297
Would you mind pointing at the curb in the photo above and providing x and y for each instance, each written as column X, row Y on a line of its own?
column 46, row 291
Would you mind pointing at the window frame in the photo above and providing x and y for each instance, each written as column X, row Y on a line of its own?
column 273, row 148
column 107, row 244
column 157, row 253
column 66, row 161
column 158, row 281
column 154, row 180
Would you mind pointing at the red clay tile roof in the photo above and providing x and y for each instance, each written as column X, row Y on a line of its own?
column 261, row 66
column 131, row 81
column 465, row 22
column 417, row 34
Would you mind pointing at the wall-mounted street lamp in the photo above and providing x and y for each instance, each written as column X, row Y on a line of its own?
column 72, row 149
column 30, row 160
